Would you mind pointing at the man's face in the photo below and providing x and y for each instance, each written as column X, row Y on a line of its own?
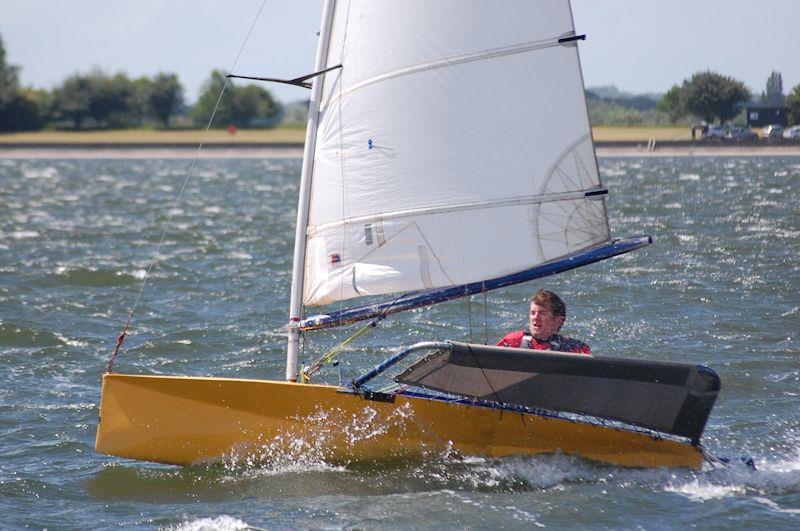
column 543, row 323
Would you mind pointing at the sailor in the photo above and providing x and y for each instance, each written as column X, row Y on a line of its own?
column 548, row 313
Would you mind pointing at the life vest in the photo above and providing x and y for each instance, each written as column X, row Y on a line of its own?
column 556, row 342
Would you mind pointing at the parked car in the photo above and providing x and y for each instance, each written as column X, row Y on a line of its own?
column 793, row 133
column 772, row 131
column 741, row 133
column 716, row 131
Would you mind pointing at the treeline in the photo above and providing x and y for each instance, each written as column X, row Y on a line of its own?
column 98, row 100
column 706, row 96
column 609, row 106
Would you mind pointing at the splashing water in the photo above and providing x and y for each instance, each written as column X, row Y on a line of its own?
column 219, row 523
column 310, row 443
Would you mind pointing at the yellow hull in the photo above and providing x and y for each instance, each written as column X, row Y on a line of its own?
column 186, row 420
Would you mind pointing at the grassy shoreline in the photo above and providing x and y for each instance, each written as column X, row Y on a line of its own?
column 135, row 137
column 280, row 135
column 288, row 142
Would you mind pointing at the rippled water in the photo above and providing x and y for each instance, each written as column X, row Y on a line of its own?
column 721, row 286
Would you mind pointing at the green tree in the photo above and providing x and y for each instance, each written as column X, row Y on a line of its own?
column 25, row 110
column 165, row 97
column 20, row 109
column 773, row 95
column 71, row 100
column 712, row 96
column 139, row 105
column 110, row 99
column 670, row 103
column 253, row 106
column 204, row 108
column 107, row 100
column 248, row 106
column 9, row 77
column 793, row 103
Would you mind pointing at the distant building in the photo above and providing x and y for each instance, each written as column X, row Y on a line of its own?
column 761, row 116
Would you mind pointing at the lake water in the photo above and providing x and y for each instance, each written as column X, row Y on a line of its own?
column 720, row 286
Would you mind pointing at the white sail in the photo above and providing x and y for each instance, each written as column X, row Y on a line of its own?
column 453, row 146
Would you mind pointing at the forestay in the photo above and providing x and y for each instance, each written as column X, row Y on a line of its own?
column 453, row 146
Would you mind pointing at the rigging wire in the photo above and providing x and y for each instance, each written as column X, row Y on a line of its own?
column 485, row 376
column 485, row 314
column 342, row 171
column 306, row 372
column 179, row 197
column 469, row 316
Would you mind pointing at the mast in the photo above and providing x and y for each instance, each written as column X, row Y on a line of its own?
column 298, row 268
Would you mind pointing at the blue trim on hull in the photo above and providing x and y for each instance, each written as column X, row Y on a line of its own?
column 385, row 364
column 417, row 299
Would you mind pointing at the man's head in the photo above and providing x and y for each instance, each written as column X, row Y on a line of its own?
column 547, row 314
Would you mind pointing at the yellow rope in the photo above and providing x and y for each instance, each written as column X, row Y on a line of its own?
column 307, row 371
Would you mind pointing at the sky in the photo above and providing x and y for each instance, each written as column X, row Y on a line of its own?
column 638, row 45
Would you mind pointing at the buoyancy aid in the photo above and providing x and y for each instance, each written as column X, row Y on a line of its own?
column 557, row 342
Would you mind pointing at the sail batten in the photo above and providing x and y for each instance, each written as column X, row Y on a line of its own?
column 456, row 60
column 453, row 146
column 442, row 209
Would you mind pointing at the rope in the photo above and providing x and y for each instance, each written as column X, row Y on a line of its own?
column 177, row 202
column 307, row 372
column 477, row 363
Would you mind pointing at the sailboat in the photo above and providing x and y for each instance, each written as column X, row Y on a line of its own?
column 448, row 153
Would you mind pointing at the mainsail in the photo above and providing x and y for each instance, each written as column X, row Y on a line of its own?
column 453, row 146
